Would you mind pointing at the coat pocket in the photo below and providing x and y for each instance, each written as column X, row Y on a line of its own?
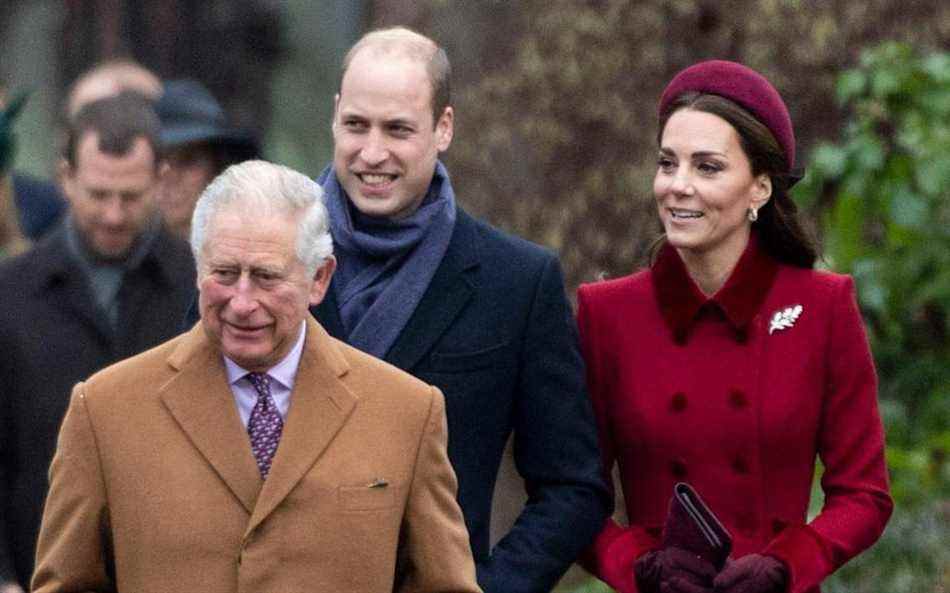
column 459, row 362
column 366, row 498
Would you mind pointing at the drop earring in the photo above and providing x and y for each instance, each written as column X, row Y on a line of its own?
column 753, row 214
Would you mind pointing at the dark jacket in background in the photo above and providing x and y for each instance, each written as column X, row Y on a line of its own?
column 52, row 336
column 39, row 205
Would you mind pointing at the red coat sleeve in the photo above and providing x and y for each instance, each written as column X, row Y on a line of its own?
column 851, row 446
column 616, row 548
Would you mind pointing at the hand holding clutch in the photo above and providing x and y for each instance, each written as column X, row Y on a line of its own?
column 691, row 525
column 753, row 573
column 695, row 546
column 673, row 570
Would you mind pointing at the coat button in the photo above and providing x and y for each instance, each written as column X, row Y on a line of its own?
column 778, row 526
column 678, row 468
column 740, row 465
column 737, row 399
column 678, row 401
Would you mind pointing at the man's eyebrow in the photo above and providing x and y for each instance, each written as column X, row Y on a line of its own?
column 401, row 121
column 270, row 269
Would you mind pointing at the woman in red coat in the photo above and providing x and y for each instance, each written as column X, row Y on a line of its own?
column 731, row 364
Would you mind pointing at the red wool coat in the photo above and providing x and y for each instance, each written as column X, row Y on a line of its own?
column 710, row 391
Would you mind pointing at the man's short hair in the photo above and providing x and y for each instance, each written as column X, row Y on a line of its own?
column 266, row 189
column 119, row 121
column 418, row 47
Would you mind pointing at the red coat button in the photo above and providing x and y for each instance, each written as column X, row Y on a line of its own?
column 678, row 402
column 678, row 468
column 740, row 465
column 737, row 399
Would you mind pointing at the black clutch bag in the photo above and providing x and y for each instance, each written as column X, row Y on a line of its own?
column 692, row 526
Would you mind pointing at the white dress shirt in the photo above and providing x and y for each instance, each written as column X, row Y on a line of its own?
column 282, row 377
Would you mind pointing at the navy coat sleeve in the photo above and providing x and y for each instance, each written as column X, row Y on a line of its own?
column 555, row 452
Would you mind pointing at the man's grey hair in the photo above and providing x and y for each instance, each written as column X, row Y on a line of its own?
column 264, row 189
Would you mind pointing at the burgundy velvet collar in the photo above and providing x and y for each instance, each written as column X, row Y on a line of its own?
column 681, row 300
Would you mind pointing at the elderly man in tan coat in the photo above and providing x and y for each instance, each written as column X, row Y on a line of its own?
column 254, row 453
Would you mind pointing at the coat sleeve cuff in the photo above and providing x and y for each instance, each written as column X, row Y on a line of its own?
column 614, row 552
column 800, row 549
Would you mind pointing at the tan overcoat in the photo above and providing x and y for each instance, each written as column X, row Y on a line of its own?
column 154, row 487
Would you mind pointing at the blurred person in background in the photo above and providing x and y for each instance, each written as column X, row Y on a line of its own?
column 12, row 240
column 109, row 78
column 731, row 364
column 38, row 203
column 105, row 284
column 198, row 144
column 28, row 206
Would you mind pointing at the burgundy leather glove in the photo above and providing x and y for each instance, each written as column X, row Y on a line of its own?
column 673, row 570
column 752, row 574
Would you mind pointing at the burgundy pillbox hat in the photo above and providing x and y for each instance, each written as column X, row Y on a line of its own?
column 742, row 85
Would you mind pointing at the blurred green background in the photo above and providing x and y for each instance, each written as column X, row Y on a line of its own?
column 555, row 140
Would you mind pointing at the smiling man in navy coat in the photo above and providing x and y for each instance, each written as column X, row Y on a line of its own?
column 478, row 313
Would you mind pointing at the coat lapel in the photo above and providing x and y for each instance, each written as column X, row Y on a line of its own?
column 451, row 288
column 202, row 403
column 319, row 407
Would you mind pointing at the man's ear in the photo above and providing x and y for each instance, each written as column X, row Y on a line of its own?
column 65, row 175
column 445, row 129
column 336, row 106
column 321, row 281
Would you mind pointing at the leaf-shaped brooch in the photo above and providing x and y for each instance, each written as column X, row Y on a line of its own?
column 785, row 318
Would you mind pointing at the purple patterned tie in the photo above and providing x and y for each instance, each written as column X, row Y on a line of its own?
column 265, row 424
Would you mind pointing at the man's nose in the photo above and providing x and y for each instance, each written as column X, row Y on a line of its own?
column 244, row 300
column 113, row 212
column 375, row 150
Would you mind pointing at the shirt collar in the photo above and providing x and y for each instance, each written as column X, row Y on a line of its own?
column 284, row 372
column 739, row 299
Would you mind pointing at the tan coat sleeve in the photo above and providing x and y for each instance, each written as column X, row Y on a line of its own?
column 434, row 552
column 73, row 549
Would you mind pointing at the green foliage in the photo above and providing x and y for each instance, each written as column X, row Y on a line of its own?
column 911, row 556
column 886, row 220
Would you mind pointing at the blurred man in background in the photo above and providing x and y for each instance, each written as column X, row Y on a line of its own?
column 199, row 144
column 109, row 78
column 105, row 284
column 38, row 204
column 12, row 239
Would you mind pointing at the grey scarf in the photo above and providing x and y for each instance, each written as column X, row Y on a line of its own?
column 385, row 266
